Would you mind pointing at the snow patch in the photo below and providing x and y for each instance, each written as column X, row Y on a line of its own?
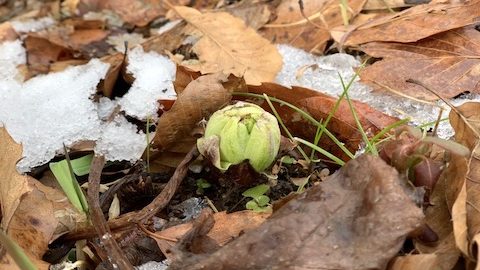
column 323, row 77
column 32, row 25
column 50, row 110
column 154, row 75
column 120, row 141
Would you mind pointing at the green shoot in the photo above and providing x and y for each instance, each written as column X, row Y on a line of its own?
column 332, row 112
column 280, row 121
column 321, row 151
column 386, row 129
column 432, row 123
column 17, row 253
column 202, row 184
column 65, row 171
column 259, row 202
column 300, row 183
column 370, row 147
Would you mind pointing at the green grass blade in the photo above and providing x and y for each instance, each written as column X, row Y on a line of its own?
column 280, row 121
column 321, row 151
column 64, row 173
column 371, row 147
column 81, row 166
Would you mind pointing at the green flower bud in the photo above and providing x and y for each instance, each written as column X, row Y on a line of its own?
column 239, row 132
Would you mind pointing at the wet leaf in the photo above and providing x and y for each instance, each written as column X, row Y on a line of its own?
column 236, row 49
column 290, row 26
column 448, row 62
column 415, row 23
column 345, row 222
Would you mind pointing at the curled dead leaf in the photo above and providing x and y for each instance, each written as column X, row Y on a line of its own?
column 324, row 227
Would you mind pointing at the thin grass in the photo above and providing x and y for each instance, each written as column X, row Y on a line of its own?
column 289, row 134
column 305, row 115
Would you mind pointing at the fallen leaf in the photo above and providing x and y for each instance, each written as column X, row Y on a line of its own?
column 319, row 105
column 255, row 15
column 13, row 185
column 226, row 228
column 197, row 101
column 236, row 49
column 33, row 214
column 385, row 4
column 345, row 222
column 41, row 53
column 448, row 62
column 418, row 262
column 137, row 12
column 7, row 33
column 467, row 216
column 415, row 23
column 292, row 28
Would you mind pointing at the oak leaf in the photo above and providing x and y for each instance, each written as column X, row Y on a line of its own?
column 236, row 49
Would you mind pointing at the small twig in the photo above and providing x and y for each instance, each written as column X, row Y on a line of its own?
column 116, row 256
column 167, row 193
column 324, row 22
column 131, row 219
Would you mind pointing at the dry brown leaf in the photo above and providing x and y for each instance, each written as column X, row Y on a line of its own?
column 41, row 53
column 468, row 201
column 7, row 33
column 226, row 228
column 345, row 222
column 13, row 185
column 197, row 101
column 448, row 62
column 255, row 15
column 33, row 214
column 292, row 28
column 417, row 262
column 319, row 105
column 385, row 4
column 236, row 49
column 413, row 24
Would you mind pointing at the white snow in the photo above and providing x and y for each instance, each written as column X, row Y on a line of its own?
column 49, row 110
column 154, row 75
column 323, row 77
column 12, row 54
column 32, row 25
column 121, row 141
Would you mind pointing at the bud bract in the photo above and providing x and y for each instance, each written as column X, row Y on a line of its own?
column 243, row 131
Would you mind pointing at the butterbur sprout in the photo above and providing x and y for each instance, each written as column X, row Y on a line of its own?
column 243, row 131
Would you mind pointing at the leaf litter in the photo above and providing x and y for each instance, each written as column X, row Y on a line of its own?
column 365, row 215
